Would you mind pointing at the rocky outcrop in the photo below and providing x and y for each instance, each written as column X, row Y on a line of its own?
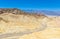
column 10, row 10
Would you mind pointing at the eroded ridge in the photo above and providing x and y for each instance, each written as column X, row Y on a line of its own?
column 17, row 25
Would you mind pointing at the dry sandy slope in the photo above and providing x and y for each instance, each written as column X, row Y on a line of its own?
column 27, row 26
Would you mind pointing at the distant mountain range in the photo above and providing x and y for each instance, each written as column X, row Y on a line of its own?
column 47, row 12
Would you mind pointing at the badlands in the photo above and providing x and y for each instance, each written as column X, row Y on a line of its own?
column 16, row 24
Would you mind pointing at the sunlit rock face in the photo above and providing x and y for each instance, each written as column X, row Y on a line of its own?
column 16, row 24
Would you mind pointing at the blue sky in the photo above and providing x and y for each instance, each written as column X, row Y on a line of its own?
column 31, row 4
